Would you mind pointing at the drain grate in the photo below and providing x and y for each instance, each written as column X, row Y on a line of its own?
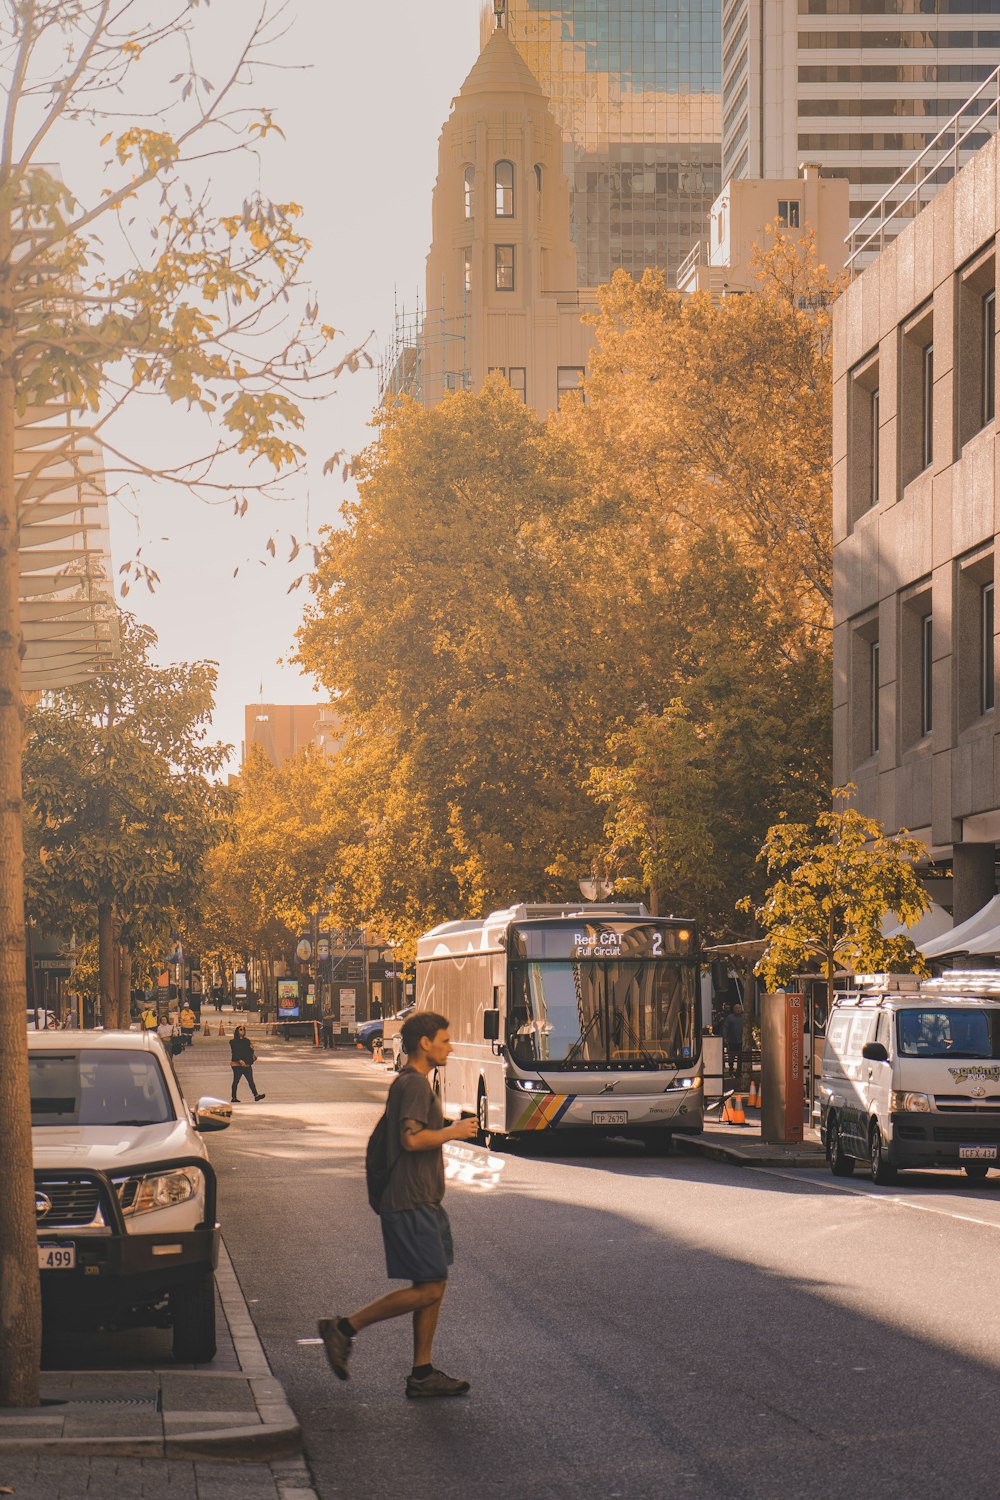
column 150, row 1403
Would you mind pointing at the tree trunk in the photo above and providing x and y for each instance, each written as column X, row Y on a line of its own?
column 107, row 980
column 20, row 1297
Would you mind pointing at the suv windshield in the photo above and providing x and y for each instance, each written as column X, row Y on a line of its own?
column 97, row 1087
column 949, row 1033
column 602, row 1015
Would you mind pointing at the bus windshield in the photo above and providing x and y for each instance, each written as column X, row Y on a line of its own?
column 591, row 1015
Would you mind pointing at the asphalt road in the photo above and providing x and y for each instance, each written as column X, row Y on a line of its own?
column 632, row 1327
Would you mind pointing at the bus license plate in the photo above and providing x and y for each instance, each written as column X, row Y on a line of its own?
column 609, row 1117
column 56, row 1257
column 977, row 1153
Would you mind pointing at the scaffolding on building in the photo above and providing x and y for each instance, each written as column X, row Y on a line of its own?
column 426, row 355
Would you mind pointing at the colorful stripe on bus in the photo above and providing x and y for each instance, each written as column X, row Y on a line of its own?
column 543, row 1113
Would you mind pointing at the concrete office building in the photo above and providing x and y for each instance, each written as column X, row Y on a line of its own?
column 634, row 86
column 722, row 263
column 859, row 85
column 916, row 523
column 502, row 289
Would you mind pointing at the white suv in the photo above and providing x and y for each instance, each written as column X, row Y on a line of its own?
column 124, row 1192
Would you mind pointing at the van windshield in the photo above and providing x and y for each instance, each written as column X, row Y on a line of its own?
column 949, row 1033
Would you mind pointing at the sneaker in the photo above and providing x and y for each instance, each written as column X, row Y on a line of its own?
column 337, row 1346
column 437, row 1383
column 258, row 1097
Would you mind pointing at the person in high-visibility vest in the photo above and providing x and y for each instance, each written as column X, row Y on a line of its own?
column 147, row 1018
column 187, row 1021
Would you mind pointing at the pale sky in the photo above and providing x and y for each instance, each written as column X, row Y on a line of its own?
column 361, row 126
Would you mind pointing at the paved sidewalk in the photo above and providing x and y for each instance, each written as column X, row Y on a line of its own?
column 174, row 1411
column 742, row 1145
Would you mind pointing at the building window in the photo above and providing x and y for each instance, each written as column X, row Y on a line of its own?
column 927, row 407
column 467, row 271
column 505, row 268
column 570, row 381
column 470, row 191
column 503, row 182
column 914, row 665
column 989, row 357
column 873, row 458
column 975, row 346
column 915, row 397
column 987, row 686
column 538, row 176
column 863, row 439
column 788, row 213
column 926, row 673
column 873, row 710
column 519, row 381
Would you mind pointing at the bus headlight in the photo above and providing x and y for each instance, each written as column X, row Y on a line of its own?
column 529, row 1086
column 683, row 1083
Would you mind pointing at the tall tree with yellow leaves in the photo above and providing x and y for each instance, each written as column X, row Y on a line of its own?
column 205, row 313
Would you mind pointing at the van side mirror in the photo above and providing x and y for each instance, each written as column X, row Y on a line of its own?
column 874, row 1052
column 491, row 1025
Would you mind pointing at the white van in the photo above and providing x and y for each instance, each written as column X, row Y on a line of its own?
column 911, row 1075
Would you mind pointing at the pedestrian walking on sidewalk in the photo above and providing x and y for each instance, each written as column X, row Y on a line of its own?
column 732, row 1039
column 407, row 1197
column 243, row 1058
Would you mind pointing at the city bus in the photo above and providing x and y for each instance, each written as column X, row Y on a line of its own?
column 578, row 1019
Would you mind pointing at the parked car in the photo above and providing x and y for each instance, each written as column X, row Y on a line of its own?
column 41, row 1020
column 369, row 1030
column 125, row 1196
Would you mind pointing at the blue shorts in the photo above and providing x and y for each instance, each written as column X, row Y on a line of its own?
column 418, row 1244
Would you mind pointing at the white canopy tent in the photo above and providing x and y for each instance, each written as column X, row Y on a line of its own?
column 934, row 923
column 982, row 924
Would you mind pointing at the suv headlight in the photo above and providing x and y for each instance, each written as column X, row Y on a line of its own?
column 143, row 1195
column 900, row 1102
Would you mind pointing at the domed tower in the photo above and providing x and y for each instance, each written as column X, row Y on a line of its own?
column 501, row 272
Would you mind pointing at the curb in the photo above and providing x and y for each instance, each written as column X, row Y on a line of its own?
column 277, row 1435
column 697, row 1145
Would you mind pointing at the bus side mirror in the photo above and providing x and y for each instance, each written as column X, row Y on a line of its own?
column 491, row 1025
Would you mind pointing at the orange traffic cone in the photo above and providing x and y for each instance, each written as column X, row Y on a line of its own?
column 222, row 1028
column 753, row 1098
column 733, row 1114
column 206, row 1030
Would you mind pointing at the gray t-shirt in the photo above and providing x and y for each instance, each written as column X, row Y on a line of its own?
column 417, row 1176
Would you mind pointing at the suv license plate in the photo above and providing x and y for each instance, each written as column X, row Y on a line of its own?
column 56, row 1257
column 977, row 1153
column 609, row 1117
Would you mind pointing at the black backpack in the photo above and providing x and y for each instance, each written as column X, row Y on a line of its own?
column 377, row 1168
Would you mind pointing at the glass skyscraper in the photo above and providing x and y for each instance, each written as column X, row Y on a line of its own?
column 636, row 88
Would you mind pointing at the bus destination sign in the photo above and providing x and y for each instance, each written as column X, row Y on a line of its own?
column 622, row 941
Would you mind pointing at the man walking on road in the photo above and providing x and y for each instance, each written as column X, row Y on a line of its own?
column 732, row 1038
column 415, row 1228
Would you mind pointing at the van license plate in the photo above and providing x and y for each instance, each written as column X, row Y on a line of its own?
column 609, row 1117
column 977, row 1153
column 56, row 1257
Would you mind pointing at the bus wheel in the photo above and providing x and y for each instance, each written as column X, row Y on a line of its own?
column 659, row 1142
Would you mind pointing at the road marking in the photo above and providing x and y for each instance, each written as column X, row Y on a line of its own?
column 893, row 1201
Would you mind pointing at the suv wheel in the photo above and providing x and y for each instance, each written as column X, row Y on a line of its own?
column 883, row 1172
column 192, row 1317
column 976, row 1170
column 840, row 1164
